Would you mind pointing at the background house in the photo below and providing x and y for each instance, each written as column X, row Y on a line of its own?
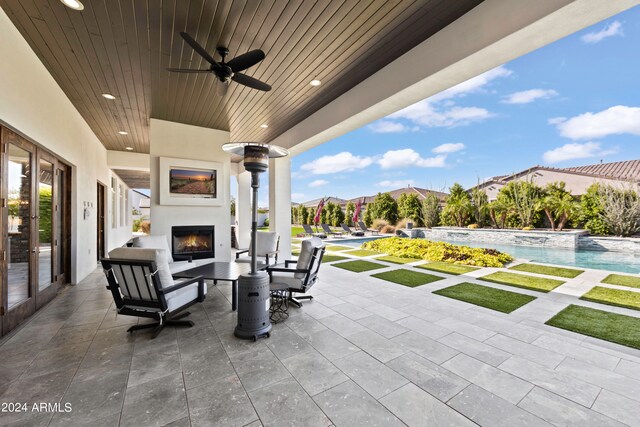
column 577, row 179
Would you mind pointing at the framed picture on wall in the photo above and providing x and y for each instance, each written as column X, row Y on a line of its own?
column 189, row 182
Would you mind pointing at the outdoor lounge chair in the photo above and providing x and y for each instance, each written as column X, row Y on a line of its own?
column 142, row 286
column 267, row 244
column 364, row 228
column 346, row 228
column 309, row 232
column 329, row 231
column 305, row 274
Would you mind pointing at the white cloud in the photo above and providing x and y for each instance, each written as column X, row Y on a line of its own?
column 575, row 151
column 527, row 96
column 387, row 126
column 297, row 197
column 556, row 120
column 407, row 157
column 341, row 162
column 318, row 183
column 396, row 184
column 474, row 84
column 448, row 148
column 616, row 120
column 613, row 29
column 427, row 114
column 441, row 111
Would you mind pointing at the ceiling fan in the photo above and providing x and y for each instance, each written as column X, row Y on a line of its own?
column 226, row 71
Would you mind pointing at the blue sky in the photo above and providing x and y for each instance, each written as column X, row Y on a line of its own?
column 574, row 102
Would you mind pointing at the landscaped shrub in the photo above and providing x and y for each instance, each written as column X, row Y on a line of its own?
column 409, row 208
column 384, row 207
column 480, row 206
column 430, row 214
column 591, row 211
column 350, row 209
column 403, row 223
column 522, row 197
column 438, row 251
column 377, row 224
column 145, row 227
column 458, row 208
column 621, row 209
column 558, row 205
column 388, row 229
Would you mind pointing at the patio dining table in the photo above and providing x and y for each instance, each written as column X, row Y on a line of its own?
column 221, row 271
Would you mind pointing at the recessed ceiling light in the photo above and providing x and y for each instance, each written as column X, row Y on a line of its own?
column 108, row 96
column 264, row 126
column 73, row 4
column 315, row 82
column 128, row 148
column 122, row 132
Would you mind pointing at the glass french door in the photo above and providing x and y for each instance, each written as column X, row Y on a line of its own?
column 32, row 243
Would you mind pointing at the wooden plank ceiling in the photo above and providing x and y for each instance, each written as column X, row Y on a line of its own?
column 123, row 47
column 134, row 179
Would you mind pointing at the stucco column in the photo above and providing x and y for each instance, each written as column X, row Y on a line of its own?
column 243, row 208
column 280, row 203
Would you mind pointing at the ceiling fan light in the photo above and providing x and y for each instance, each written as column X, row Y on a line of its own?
column 73, row 4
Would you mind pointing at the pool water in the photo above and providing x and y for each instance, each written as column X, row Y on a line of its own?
column 622, row 262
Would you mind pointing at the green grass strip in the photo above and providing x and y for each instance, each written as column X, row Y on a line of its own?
column 617, row 297
column 408, row 278
column 485, row 296
column 522, row 281
column 568, row 273
column 396, row 259
column 339, row 248
column 359, row 266
column 332, row 258
column 447, row 267
column 612, row 327
column 622, row 280
column 361, row 252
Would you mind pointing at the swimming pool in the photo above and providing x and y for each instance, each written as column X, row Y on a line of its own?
column 600, row 260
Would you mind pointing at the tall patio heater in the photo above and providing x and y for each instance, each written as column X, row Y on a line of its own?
column 253, row 288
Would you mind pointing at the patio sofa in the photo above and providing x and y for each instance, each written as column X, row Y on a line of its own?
column 161, row 242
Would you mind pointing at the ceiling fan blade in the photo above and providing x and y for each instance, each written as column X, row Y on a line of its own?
column 199, row 49
column 187, row 70
column 243, row 79
column 246, row 60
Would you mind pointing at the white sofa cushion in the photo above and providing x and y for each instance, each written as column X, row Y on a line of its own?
column 266, row 242
column 306, row 252
column 183, row 296
column 287, row 279
column 153, row 242
column 142, row 254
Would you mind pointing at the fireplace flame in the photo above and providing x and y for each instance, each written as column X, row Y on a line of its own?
column 193, row 243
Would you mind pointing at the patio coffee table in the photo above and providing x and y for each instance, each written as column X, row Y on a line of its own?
column 225, row 271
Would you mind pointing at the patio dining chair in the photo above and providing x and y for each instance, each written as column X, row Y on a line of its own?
column 329, row 231
column 141, row 284
column 305, row 274
column 364, row 228
column 346, row 228
column 309, row 232
column 267, row 244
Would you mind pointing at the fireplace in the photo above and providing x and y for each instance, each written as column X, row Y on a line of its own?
column 192, row 242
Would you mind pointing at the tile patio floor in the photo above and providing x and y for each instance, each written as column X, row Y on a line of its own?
column 364, row 352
